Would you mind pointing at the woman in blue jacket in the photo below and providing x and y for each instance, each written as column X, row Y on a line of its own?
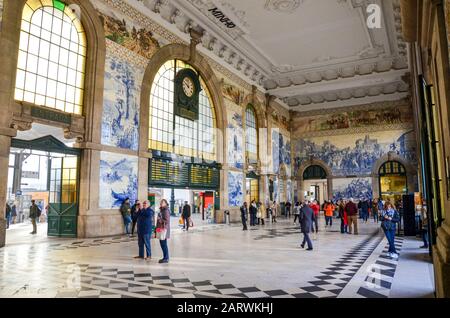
column 145, row 216
column 390, row 218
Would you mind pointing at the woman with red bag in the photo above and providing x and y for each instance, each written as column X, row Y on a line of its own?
column 163, row 229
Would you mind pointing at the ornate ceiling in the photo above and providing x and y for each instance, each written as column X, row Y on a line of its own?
column 311, row 54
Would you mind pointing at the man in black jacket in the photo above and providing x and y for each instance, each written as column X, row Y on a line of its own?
column 134, row 215
column 244, row 213
column 186, row 215
column 306, row 222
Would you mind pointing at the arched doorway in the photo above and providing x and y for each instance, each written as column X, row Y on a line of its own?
column 315, row 183
column 393, row 181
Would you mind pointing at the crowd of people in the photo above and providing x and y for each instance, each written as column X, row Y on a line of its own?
column 142, row 217
column 349, row 212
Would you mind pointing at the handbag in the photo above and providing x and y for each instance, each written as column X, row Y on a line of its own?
column 161, row 233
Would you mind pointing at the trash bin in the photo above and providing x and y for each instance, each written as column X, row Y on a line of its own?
column 227, row 217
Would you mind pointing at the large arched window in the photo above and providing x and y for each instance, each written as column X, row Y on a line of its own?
column 192, row 138
column 52, row 54
column 251, row 135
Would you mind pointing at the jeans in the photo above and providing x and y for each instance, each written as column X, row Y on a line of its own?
column 365, row 215
column 165, row 249
column 186, row 223
column 329, row 219
column 343, row 226
column 144, row 240
column 127, row 220
column 375, row 216
column 244, row 224
column 315, row 223
column 390, row 235
column 8, row 221
column 425, row 237
column 307, row 240
column 252, row 219
column 133, row 226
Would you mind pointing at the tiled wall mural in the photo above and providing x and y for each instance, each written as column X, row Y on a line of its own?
column 355, row 154
column 235, row 189
column 281, row 152
column 235, row 140
column 125, row 32
column 353, row 119
column 356, row 188
column 118, row 179
column 120, row 126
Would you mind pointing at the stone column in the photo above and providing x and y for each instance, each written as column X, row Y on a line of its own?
column 5, row 143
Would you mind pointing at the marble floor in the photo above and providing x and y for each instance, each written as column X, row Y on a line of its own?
column 217, row 261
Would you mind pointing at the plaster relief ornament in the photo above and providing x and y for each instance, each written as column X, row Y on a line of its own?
column 283, row 6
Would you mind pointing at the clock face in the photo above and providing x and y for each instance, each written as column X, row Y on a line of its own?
column 188, row 86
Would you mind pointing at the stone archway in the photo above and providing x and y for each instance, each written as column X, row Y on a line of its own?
column 411, row 173
column 301, row 181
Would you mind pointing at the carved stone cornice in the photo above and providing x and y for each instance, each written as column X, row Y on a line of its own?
column 22, row 123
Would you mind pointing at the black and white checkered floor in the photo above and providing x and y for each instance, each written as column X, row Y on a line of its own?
column 67, row 270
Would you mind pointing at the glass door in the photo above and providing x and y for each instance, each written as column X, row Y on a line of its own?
column 63, row 201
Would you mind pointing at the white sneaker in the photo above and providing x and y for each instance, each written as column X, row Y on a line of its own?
column 394, row 255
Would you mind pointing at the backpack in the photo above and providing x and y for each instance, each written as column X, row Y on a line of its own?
column 39, row 212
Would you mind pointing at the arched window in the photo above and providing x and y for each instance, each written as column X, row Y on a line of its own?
column 192, row 138
column 251, row 135
column 314, row 172
column 52, row 54
column 393, row 181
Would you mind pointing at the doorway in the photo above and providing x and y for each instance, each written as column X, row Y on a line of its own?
column 47, row 171
column 315, row 184
column 393, row 181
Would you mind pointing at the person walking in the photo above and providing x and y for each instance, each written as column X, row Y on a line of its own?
column 144, row 218
column 244, row 213
column 342, row 216
column 35, row 213
column 262, row 214
column 329, row 212
column 163, row 224
column 390, row 218
column 352, row 216
column 316, row 209
column 253, row 212
column 274, row 209
column 306, row 222
column 297, row 213
column 134, row 213
column 186, row 215
column 365, row 210
column 425, row 231
column 8, row 215
column 375, row 210
column 125, row 210
column 288, row 209
column 13, row 213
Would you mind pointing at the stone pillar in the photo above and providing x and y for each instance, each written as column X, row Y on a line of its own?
column 5, row 143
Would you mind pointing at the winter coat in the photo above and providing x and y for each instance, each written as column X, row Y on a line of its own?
column 145, row 221
column 306, row 218
column 163, row 220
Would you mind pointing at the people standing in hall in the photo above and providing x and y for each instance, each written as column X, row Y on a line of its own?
column 375, row 210
column 343, row 216
column 144, row 217
column 262, row 213
column 163, row 224
column 288, row 209
column 365, row 210
column 329, row 212
column 297, row 212
column 306, row 222
column 13, row 213
column 253, row 212
column 244, row 213
column 390, row 218
column 35, row 213
column 352, row 216
column 316, row 209
column 7, row 215
column 134, row 213
column 274, row 209
column 125, row 210
column 186, row 215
